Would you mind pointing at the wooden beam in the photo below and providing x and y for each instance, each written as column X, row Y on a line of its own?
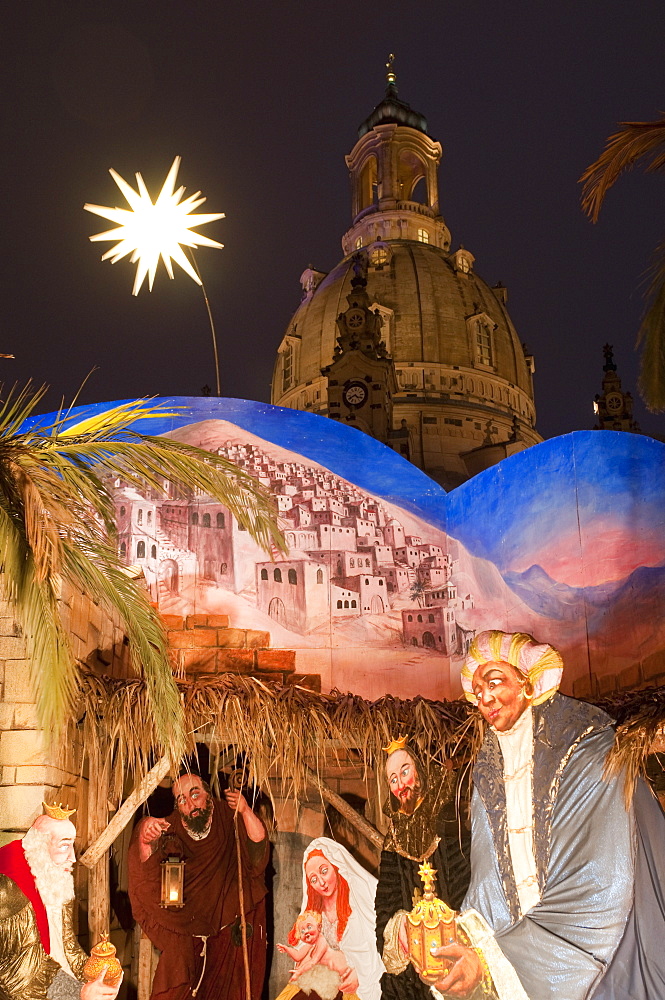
column 348, row 812
column 124, row 814
column 98, row 876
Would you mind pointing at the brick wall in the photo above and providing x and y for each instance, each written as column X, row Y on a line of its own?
column 206, row 644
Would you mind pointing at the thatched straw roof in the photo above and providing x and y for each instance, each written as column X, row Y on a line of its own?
column 282, row 729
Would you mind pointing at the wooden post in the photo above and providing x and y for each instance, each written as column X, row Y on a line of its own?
column 98, row 877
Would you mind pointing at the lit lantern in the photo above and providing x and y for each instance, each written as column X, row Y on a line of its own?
column 430, row 925
column 173, row 882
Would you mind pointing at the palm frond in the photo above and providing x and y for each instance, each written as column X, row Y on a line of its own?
column 652, row 336
column 57, row 524
column 634, row 141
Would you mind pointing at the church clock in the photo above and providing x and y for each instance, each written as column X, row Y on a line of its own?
column 355, row 394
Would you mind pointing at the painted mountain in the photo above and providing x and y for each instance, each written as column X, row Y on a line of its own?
column 388, row 578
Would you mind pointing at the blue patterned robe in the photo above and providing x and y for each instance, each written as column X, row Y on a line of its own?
column 599, row 928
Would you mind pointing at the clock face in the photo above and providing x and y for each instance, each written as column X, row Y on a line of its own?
column 613, row 402
column 355, row 394
column 355, row 319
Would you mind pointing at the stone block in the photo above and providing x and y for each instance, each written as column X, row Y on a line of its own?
column 196, row 621
column 173, row 621
column 8, row 626
column 21, row 747
column 236, row 661
column 218, row 621
column 8, row 776
column 257, row 640
column 20, row 805
column 6, row 715
column 199, row 661
column 310, row 681
column 630, row 677
column 283, row 660
column 43, row 774
column 231, row 638
column 12, row 647
column 180, row 639
column 203, row 637
column 25, row 716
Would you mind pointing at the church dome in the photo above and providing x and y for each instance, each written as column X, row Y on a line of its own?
column 460, row 397
column 431, row 313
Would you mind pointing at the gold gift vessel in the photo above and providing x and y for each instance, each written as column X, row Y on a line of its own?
column 103, row 954
column 431, row 924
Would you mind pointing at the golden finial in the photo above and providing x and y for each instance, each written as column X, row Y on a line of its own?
column 427, row 873
column 399, row 744
column 390, row 75
column 57, row 811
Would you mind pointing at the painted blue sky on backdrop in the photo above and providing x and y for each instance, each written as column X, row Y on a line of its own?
column 613, row 474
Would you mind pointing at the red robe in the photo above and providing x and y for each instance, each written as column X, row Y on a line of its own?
column 211, row 909
column 13, row 863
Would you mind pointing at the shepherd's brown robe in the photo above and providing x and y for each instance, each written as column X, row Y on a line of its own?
column 211, row 909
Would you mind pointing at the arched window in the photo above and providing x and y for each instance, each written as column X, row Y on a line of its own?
column 139, row 516
column 123, row 549
column 346, row 604
column 220, row 520
column 277, row 576
column 264, row 574
column 354, row 604
column 122, row 511
column 339, row 604
column 420, row 618
column 431, row 618
column 149, row 517
column 423, row 236
column 195, row 518
column 140, row 550
column 352, row 562
column 410, row 617
column 287, row 366
column 293, row 576
column 153, row 551
column 380, row 582
column 367, row 563
column 206, row 520
column 319, row 576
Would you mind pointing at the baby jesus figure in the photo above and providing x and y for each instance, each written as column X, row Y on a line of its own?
column 321, row 965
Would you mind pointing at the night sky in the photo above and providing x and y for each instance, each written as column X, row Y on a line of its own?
column 262, row 101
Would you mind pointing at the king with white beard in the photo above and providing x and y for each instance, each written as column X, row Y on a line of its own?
column 39, row 955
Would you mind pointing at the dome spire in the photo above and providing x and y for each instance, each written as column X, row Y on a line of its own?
column 391, row 78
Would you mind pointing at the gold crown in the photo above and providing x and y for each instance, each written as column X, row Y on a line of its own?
column 57, row 812
column 399, row 744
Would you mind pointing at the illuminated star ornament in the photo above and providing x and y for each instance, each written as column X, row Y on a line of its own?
column 149, row 230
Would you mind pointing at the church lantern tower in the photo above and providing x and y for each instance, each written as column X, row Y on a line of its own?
column 452, row 384
column 613, row 407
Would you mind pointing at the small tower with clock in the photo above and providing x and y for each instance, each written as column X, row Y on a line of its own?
column 613, row 407
column 361, row 378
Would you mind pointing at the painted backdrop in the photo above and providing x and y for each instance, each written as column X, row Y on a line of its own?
column 388, row 578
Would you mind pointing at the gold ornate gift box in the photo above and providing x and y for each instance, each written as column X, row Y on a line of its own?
column 430, row 925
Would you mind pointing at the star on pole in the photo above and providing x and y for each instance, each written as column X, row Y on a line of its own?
column 149, row 230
